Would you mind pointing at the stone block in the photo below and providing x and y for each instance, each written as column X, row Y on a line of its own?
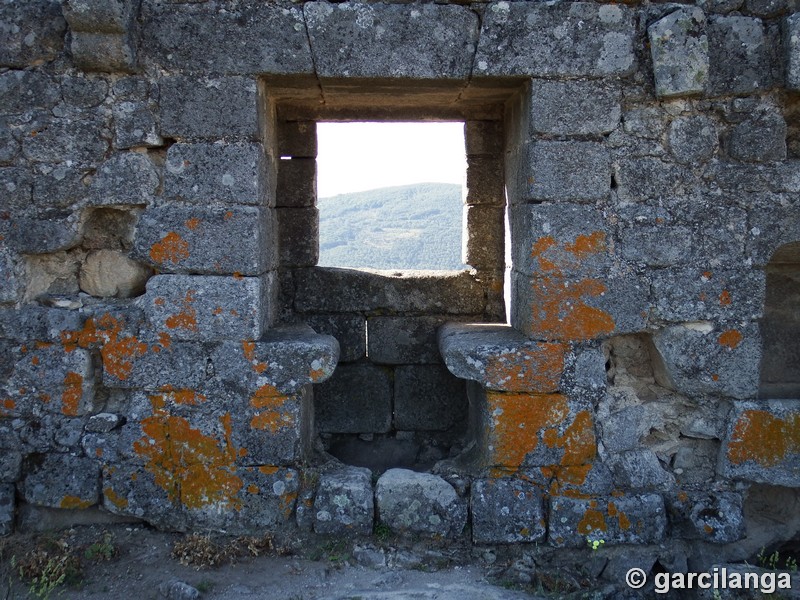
column 639, row 519
column 658, row 245
column 285, row 358
column 131, row 490
column 518, row 430
column 79, row 141
column 540, row 40
column 298, row 236
column 759, row 139
column 255, row 39
column 771, row 227
column 297, row 139
column 579, row 309
column 61, row 187
column 349, row 330
column 485, row 182
column 762, row 443
column 135, row 126
column 483, row 239
column 428, row 398
column 483, row 138
column 190, row 107
column 11, row 285
column 51, row 232
column 234, row 173
column 206, row 307
column 679, row 49
column 639, row 469
column 109, row 273
column 419, row 504
column 17, row 188
column 129, row 363
column 506, row 511
column 63, row 481
column 693, row 139
column 424, row 42
column 297, row 183
column 8, row 505
column 403, row 340
column 23, row 91
column 739, row 56
column 84, row 92
column 715, row 517
column 104, row 52
column 31, row 32
column 500, row 358
column 691, row 294
column 701, row 358
column 573, row 108
column 559, row 239
column 566, row 171
column 349, row 290
column 125, row 178
column 198, row 239
column 344, row 505
column 103, row 422
column 101, row 16
column 32, row 321
column 48, row 378
column 640, row 179
column 356, row 399
column 791, row 36
column 10, row 466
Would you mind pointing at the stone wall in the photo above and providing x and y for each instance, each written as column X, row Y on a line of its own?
column 159, row 241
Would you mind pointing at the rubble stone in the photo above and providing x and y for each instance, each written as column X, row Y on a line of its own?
column 63, row 481
column 506, row 511
column 344, row 503
column 679, row 48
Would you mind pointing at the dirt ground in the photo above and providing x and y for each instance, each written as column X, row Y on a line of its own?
column 134, row 561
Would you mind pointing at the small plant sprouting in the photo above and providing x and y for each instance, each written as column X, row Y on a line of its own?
column 102, row 550
column 382, row 532
column 595, row 544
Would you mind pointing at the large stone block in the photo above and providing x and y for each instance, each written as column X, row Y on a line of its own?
column 506, row 511
column 679, row 49
column 565, row 171
column 31, row 32
column 518, row 430
column 573, row 108
column 46, row 233
column 482, row 237
column 704, row 359
column 125, row 178
column 403, row 340
column 22, row 91
column 419, row 504
column 256, row 38
column 639, row 469
column 559, row 239
column 79, row 141
column 349, row 290
column 739, row 53
column 297, row 139
column 693, row 139
column 615, row 520
column 198, row 239
column 500, row 358
column 204, row 307
column 136, row 125
column 298, row 236
column 759, row 139
column 285, row 358
column 349, row 330
column 425, row 41
column 658, row 245
column 770, row 227
column 484, row 182
column 577, row 309
column 129, row 363
column 640, row 179
column 131, row 490
column 101, row 16
column 692, row 294
column 104, row 52
column 344, row 503
column 762, row 443
column 190, row 107
column 716, row 517
column 63, row 481
column 356, row 399
column 234, row 173
column 540, row 40
column 428, row 398
column 297, row 183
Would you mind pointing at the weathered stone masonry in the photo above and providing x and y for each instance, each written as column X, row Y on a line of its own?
column 159, row 287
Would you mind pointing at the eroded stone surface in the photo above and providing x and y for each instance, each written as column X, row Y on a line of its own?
column 344, row 503
column 506, row 511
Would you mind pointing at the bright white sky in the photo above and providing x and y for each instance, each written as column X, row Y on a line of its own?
column 354, row 157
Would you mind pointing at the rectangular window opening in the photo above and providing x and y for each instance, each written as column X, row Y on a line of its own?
column 390, row 195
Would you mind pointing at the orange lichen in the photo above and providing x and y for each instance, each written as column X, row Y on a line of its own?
column 185, row 397
column 117, row 350
column 71, row 396
column 530, row 370
column 272, row 414
column 193, row 223
column 172, row 248
column 725, row 298
column 115, row 499
column 74, row 502
column 193, row 468
column 267, row 470
column 187, row 318
column 730, row 338
column 253, row 489
column 593, row 520
column 764, row 439
column 249, row 349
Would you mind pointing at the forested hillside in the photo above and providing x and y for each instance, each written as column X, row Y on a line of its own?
column 407, row 227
